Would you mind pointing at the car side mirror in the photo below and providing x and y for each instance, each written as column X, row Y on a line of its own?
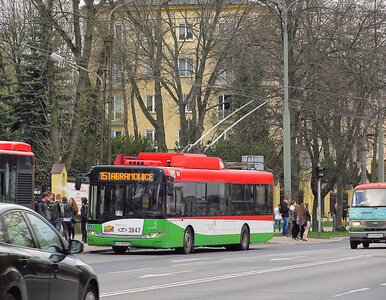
column 75, row 246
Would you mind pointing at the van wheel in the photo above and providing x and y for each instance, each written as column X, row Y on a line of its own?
column 244, row 238
column 119, row 249
column 366, row 244
column 353, row 245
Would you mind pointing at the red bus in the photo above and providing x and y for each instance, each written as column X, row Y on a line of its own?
column 17, row 173
column 176, row 200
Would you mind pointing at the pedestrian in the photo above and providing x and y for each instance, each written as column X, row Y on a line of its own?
column 83, row 219
column 55, row 210
column 283, row 208
column 42, row 206
column 68, row 212
column 294, row 208
column 278, row 218
column 74, row 217
column 305, row 221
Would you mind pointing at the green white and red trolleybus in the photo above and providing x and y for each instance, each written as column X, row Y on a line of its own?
column 177, row 200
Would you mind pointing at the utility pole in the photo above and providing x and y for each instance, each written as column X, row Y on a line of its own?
column 319, row 174
column 381, row 146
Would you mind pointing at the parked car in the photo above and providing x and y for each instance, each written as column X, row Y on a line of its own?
column 36, row 262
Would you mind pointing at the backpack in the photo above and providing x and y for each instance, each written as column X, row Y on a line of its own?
column 53, row 208
column 36, row 208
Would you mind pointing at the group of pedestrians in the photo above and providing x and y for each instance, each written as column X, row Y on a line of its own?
column 296, row 219
column 62, row 213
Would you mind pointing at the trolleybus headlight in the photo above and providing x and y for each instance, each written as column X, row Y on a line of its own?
column 95, row 233
column 356, row 223
column 152, row 235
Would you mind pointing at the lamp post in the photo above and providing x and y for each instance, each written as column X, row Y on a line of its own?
column 108, row 44
column 72, row 64
column 286, row 111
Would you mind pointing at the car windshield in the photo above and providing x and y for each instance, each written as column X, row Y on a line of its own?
column 369, row 198
column 129, row 200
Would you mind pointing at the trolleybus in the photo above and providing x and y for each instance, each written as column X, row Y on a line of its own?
column 17, row 165
column 368, row 215
column 176, row 200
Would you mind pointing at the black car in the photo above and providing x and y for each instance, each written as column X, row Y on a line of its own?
column 37, row 263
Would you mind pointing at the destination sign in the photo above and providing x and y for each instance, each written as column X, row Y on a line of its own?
column 123, row 176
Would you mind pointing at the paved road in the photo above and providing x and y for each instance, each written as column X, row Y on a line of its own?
column 280, row 269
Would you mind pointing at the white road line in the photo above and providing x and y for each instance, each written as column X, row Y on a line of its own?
column 187, row 260
column 164, row 274
column 351, row 292
column 227, row 276
column 383, row 283
column 129, row 271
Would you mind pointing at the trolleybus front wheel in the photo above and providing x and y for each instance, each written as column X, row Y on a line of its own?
column 188, row 246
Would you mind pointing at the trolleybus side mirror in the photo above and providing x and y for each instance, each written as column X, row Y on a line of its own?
column 78, row 182
column 170, row 186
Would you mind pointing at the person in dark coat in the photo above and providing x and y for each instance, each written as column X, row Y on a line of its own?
column 83, row 219
column 284, row 210
column 42, row 206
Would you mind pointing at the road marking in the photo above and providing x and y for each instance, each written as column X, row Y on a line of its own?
column 187, row 260
column 164, row 274
column 351, row 292
column 128, row 271
column 229, row 276
column 383, row 284
column 286, row 258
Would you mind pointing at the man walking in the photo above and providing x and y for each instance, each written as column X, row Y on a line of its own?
column 284, row 214
column 42, row 207
column 56, row 212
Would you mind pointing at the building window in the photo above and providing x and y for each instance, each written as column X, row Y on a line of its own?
column 117, row 112
column 150, row 135
column 224, row 29
column 118, row 32
column 185, row 32
column 223, row 106
column 188, row 103
column 150, row 103
column 149, row 68
column 185, row 67
column 116, row 133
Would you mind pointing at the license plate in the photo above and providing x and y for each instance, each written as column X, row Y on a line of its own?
column 126, row 244
column 375, row 235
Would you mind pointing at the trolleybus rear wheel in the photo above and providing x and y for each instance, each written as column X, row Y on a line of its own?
column 244, row 238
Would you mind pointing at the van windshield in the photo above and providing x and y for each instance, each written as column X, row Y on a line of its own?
column 369, row 198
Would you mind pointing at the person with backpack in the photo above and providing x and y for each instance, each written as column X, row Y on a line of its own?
column 68, row 212
column 55, row 210
column 83, row 219
column 42, row 207
column 284, row 214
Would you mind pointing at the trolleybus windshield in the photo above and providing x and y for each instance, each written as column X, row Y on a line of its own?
column 369, row 198
column 109, row 201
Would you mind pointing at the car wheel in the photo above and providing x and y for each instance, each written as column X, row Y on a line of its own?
column 366, row 244
column 244, row 238
column 353, row 245
column 119, row 249
column 90, row 293
column 9, row 296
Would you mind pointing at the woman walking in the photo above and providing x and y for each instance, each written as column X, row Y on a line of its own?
column 68, row 212
column 75, row 207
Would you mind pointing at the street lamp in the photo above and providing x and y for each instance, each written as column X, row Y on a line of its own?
column 108, row 44
column 286, row 111
column 72, row 64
